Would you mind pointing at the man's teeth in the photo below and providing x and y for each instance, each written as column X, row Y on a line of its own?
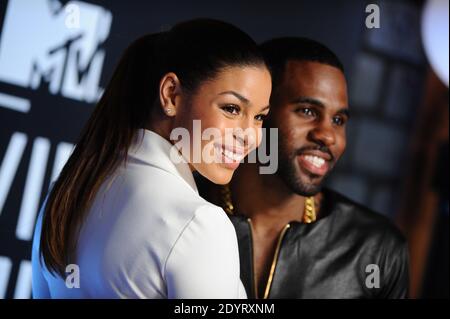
column 315, row 160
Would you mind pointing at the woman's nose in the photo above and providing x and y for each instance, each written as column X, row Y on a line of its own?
column 246, row 138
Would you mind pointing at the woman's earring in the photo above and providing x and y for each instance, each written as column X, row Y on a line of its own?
column 168, row 111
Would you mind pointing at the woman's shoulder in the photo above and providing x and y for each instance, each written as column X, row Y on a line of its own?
column 161, row 207
column 144, row 222
column 170, row 195
column 150, row 187
column 213, row 216
column 208, row 238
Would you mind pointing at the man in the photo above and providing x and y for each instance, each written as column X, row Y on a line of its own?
column 298, row 239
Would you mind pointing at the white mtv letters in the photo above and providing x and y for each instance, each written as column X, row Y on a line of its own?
column 38, row 162
column 35, row 176
column 42, row 40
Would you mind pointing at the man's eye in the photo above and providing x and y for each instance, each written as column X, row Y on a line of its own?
column 338, row 120
column 307, row 111
column 232, row 109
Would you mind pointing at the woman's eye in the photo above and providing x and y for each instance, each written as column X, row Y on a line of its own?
column 260, row 117
column 232, row 109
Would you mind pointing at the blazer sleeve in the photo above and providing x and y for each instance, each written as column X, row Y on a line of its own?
column 204, row 261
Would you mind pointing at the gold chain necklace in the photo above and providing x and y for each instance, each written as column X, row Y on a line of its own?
column 309, row 213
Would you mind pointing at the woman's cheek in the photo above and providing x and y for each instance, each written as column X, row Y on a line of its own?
column 258, row 137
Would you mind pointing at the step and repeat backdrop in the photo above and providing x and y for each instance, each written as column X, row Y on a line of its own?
column 57, row 56
column 55, row 59
column 51, row 61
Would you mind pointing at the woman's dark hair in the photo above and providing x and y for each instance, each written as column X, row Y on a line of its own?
column 195, row 51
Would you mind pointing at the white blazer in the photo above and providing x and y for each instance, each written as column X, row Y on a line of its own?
column 148, row 234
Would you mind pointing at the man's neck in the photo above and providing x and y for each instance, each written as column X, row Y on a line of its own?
column 265, row 198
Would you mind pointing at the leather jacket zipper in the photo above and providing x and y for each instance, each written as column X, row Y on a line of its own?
column 274, row 261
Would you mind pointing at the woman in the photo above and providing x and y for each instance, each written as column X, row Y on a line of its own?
column 124, row 219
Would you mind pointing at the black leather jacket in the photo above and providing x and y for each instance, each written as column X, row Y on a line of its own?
column 338, row 256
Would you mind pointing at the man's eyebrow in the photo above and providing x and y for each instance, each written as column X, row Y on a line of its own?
column 240, row 97
column 345, row 111
column 308, row 100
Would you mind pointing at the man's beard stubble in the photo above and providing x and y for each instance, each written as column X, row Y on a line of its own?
column 289, row 174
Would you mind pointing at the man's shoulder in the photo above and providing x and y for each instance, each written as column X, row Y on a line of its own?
column 357, row 217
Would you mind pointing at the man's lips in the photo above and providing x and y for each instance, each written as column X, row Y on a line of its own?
column 315, row 162
column 325, row 155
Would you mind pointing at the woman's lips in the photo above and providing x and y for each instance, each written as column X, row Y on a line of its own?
column 313, row 164
column 229, row 156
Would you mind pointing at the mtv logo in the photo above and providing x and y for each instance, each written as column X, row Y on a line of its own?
column 44, row 41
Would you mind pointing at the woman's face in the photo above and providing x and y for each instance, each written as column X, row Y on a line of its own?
column 224, row 119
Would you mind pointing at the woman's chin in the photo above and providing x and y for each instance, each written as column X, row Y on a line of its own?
column 219, row 174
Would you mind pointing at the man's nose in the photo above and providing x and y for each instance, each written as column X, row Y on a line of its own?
column 323, row 134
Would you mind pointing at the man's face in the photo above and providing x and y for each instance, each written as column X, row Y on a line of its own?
column 309, row 108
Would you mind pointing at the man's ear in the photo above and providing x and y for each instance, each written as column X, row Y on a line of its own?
column 169, row 93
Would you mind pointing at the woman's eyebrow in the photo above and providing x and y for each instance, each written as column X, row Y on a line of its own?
column 265, row 108
column 240, row 97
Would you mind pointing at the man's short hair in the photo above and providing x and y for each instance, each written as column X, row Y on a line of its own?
column 279, row 51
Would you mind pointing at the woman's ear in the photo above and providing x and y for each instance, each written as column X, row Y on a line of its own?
column 169, row 93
